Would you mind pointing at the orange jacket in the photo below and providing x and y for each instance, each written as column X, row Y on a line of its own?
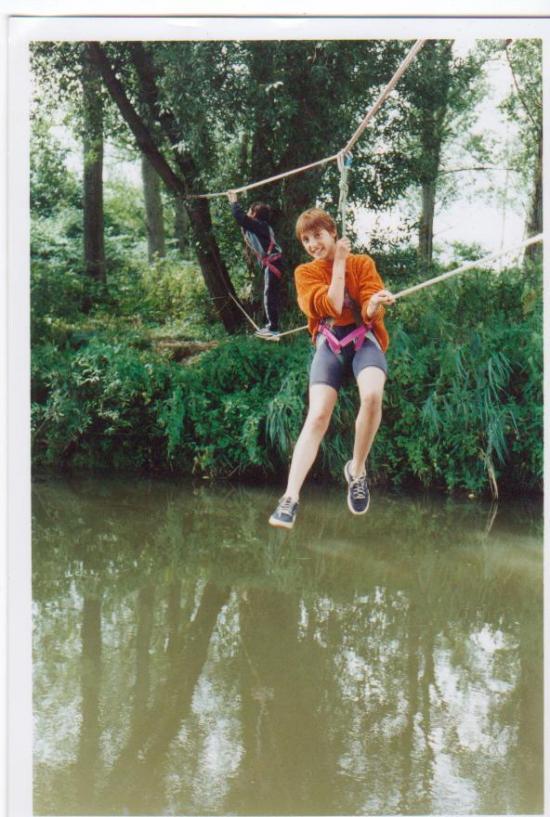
column 362, row 281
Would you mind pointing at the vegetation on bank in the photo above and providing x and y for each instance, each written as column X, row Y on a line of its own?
column 463, row 404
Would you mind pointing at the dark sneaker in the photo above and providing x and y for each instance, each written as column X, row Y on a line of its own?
column 358, row 491
column 284, row 514
column 267, row 334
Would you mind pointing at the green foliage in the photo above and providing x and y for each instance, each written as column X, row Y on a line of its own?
column 58, row 286
column 110, row 404
column 524, row 103
column 124, row 211
column 467, row 380
column 169, row 290
column 173, row 289
column 53, row 186
column 464, row 397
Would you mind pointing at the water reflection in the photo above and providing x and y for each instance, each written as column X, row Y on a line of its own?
column 190, row 660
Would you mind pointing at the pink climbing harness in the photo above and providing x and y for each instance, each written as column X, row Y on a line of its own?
column 265, row 259
column 356, row 336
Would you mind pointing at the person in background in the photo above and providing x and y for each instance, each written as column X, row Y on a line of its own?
column 260, row 238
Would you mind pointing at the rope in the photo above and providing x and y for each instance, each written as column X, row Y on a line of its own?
column 257, row 328
column 291, row 331
column 344, row 165
column 264, row 181
column 470, row 265
column 247, row 316
column 409, row 291
column 419, row 44
column 355, row 136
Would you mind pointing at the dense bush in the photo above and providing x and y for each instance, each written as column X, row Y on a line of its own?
column 110, row 404
column 170, row 290
column 463, row 402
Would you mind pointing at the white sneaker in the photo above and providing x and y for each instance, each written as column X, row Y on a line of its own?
column 267, row 334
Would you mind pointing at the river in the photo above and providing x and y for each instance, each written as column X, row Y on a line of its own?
column 189, row 659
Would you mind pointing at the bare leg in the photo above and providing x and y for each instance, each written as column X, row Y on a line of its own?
column 322, row 399
column 370, row 382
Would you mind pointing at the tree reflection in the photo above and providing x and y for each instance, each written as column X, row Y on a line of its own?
column 388, row 668
column 90, row 680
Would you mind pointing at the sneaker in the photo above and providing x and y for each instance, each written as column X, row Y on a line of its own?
column 358, row 491
column 268, row 334
column 284, row 514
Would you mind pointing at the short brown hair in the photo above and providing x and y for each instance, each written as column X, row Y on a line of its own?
column 315, row 217
column 260, row 210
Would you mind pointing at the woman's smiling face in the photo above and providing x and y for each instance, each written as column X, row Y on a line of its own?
column 319, row 243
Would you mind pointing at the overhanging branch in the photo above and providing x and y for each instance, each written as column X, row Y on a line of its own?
column 140, row 131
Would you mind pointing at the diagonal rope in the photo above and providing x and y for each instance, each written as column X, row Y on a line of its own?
column 263, row 181
column 431, row 281
column 419, row 44
column 292, row 331
column 247, row 316
column 470, row 265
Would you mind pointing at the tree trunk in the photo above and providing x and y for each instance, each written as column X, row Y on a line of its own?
column 148, row 742
column 436, row 60
column 426, row 227
column 213, row 269
column 90, row 686
column 154, row 216
column 94, row 248
column 181, row 225
column 534, row 219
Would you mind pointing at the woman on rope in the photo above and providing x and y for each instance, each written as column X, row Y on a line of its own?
column 343, row 297
column 259, row 236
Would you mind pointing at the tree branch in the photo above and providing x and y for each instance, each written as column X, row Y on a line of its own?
column 149, row 94
column 478, row 167
column 519, row 93
column 141, row 133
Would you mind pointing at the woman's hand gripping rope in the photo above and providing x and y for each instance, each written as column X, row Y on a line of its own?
column 342, row 249
column 381, row 298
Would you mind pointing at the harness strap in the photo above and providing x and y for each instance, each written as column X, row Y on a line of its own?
column 356, row 336
column 266, row 259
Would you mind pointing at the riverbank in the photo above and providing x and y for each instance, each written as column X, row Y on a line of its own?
column 463, row 406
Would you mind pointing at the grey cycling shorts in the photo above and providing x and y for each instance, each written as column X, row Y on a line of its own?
column 329, row 368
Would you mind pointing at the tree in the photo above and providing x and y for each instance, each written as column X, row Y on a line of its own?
column 52, row 186
column 182, row 183
column 154, row 217
column 524, row 106
column 92, row 138
column 181, row 226
column 303, row 102
column 437, row 99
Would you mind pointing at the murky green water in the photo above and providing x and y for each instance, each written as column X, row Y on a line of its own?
column 188, row 659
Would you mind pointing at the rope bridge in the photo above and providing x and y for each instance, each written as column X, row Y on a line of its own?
column 343, row 160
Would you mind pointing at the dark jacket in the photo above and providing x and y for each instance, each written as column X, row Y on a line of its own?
column 260, row 237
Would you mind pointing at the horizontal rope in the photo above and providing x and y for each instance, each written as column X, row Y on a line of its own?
column 470, row 265
column 464, row 268
column 263, row 181
column 364, row 123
